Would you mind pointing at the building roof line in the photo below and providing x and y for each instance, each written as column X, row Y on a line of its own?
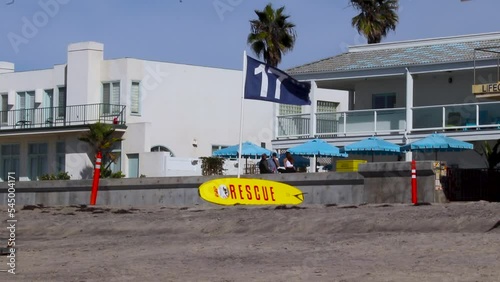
column 425, row 42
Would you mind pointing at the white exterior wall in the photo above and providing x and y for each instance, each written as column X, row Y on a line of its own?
column 429, row 89
column 187, row 103
column 77, row 159
column 184, row 108
column 339, row 96
column 84, row 77
column 365, row 89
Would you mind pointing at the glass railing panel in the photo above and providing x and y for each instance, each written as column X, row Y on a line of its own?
column 362, row 121
column 428, row 117
column 327, row 123
column 294, row 125
column 489, row 113
column 391, row 120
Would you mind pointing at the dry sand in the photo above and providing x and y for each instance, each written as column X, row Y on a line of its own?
column 449, row 242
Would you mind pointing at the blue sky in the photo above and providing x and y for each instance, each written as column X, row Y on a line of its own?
column 196, row 32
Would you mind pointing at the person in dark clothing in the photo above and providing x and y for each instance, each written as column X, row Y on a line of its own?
column 264, row 165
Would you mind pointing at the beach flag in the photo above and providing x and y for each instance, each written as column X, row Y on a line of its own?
column 267, row 83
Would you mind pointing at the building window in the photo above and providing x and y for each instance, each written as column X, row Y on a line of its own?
column 37, row 160
column 217, row 147
column 326, row 107
column 116, row 158
column 133, row 165
column 48, row 106
column 135, row 98
column 111, row 97
column 9, row 160
column 160, row 148
column 25, row 105
column 4, row 108
column 285, row 109
column 61, row 109
column 326, row 120
column 60, row 157
column 383, row 101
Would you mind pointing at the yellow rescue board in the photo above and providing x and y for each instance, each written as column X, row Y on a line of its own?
column 247, row 191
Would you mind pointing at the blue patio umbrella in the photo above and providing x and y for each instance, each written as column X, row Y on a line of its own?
column 298, row 161
column 372, row 145
column 248, row 149
column 437, row 143
column 316, row 148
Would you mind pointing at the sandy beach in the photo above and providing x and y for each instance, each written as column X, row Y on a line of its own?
column 443, row 242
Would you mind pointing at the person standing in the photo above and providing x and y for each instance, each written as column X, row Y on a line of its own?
column 273, row 163
column 264, row 165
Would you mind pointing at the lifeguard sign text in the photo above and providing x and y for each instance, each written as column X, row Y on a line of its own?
column 486, row 89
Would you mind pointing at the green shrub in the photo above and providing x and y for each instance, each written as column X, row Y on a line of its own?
column 212, row 166
column 117, row 174
column 47, row 177
column 63, row 175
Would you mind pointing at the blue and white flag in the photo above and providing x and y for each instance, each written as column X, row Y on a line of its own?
column 267, row 83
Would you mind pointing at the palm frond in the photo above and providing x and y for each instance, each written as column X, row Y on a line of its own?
column 271, row 34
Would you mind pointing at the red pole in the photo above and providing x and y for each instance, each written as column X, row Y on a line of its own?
column 97, row 175
column 414, row 182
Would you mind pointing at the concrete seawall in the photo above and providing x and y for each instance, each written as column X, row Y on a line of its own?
column 367, row 186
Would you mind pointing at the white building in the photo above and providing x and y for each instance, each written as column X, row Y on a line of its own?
column 160, row 109
column 402, row 92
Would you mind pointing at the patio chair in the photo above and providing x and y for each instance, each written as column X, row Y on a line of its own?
column 454, row 119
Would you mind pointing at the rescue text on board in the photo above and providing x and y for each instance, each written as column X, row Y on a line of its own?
column 247, row 192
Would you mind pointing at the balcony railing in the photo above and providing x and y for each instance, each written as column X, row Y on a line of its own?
column 465, row 117
column 343, row 123
column 457, row 116
column 62, row 116
column 294, row 125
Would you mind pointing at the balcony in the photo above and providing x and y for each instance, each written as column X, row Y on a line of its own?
column 50, row 117
column 456, row 117
column 343, row 123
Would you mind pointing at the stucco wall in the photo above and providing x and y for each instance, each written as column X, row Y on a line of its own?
column 365, row 89
column 376, row 183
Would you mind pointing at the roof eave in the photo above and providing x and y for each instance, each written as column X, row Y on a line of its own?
column 396, row 70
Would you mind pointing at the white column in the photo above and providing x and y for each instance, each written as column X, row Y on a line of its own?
column 409, row 112
column 314, row 109
column 275, row 120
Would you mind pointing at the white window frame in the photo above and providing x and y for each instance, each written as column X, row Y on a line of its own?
column 161, row 148
column 61, row 102
column 117, row 150
column 139, row 104
column 11, row 158
column 4, row 108
column 25, row 112
column 112, row 107
column 40, row 158
column 286, row 109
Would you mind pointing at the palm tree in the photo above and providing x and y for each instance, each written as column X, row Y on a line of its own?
column 492, row 155
column 101, row 139
column 376, row 18
column 271, row 34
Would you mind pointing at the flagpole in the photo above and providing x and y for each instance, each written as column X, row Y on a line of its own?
column 241, row 109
